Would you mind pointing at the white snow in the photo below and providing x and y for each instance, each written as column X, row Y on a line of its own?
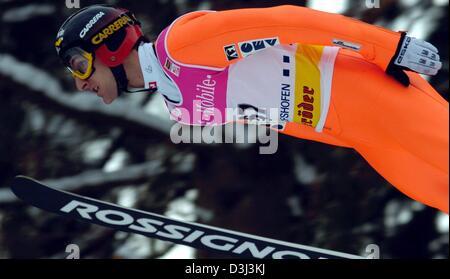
column 26, row 12
column 304, row 172
column 7, row 196
column 117, row 161
column 417, row 22
column 335, row 6
column 410, row 2
column 127, row 196
column 135, row 247
column 184, row 163
column 95, row 150
column 442, row 223
column 183, row 208
column 206, row 5
column 417, row 206
column 36, row 119
column 179, row 252
column 294, row 204
column 397, row 214
column 440, row 2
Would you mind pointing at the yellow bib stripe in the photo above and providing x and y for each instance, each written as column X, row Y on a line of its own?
column 307, row 85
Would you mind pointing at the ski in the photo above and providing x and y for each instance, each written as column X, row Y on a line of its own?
column 199, row 236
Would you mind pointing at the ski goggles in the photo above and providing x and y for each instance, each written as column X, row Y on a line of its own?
column 79, row 62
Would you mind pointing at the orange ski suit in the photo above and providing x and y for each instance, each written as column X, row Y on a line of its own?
column 402, row 132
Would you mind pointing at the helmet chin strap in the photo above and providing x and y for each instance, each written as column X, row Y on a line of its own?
column 121, row 78
column 122, row 81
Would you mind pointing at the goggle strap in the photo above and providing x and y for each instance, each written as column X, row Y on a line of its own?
column 122, row 81
column 121, row 78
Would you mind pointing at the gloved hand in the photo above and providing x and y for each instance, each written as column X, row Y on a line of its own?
column 413, row 55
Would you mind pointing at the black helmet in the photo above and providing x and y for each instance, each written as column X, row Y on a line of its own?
column 103, row 31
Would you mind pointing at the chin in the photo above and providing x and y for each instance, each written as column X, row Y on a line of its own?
column 108, row 101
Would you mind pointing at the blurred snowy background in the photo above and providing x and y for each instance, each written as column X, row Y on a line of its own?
column 307, row 192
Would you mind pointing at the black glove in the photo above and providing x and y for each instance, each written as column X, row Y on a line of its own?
column 413, row 55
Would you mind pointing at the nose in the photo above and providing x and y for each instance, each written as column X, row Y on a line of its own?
column 82, row 85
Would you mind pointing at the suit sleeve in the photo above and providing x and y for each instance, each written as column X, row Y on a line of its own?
column 200, row 37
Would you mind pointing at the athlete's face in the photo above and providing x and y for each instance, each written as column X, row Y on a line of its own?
column 102, row 83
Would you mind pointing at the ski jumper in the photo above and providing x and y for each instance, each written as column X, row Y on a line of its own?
column 325, row 73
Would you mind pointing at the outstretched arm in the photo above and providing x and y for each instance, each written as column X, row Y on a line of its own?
column 200, row 37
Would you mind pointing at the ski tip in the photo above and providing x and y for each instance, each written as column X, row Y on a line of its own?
column 22, row 177
column 30, row 191
column 17, row 181
column 21, row 184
